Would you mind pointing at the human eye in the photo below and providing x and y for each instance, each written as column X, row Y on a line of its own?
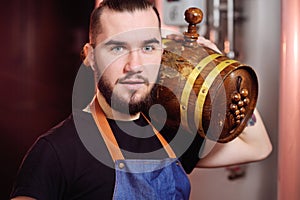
column 117, row 49
column 148, row 48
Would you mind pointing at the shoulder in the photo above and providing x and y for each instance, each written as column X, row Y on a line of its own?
column 62, row 142
column 55, row 143
column 63, row 130
column 56, row 164
column 65, row 133
column 63, row 145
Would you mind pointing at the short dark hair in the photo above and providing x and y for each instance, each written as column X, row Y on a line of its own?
column 119, row 6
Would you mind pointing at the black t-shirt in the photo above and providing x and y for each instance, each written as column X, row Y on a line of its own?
column 71, row 160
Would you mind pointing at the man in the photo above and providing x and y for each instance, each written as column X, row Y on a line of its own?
column 110, row 150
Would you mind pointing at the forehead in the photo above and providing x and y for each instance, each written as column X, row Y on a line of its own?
column 137, row 24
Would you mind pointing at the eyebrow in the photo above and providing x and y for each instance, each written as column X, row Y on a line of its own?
column 114, row 42
column 153, row 40
column 120, row 43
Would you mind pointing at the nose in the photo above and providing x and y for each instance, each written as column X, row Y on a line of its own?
column 134, row 62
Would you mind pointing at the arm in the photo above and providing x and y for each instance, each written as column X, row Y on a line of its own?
column 38, row 172
column 23, row 198
column 253, row 144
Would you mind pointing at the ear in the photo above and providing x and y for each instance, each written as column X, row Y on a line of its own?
column 88, row 52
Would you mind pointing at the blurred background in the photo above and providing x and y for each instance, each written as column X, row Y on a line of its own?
column 41, row 43
column 40, row 55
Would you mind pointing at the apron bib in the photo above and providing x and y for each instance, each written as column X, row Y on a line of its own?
column 143, row 179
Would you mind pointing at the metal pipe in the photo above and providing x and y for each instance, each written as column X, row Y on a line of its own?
column 289, row 107
column 229, row 42
column 214, row 32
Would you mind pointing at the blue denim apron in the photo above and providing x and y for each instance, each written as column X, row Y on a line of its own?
column 141, row 179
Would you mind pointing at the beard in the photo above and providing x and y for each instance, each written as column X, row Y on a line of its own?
column 118, row 103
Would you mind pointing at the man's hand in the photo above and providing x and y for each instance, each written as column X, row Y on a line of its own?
column 201, row 41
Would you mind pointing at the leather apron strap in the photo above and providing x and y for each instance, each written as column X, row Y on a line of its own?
column 106, row 131
column 162, row 140
column 109, row 138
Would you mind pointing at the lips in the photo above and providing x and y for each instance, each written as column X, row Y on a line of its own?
column 133, row 84
column 133, row 81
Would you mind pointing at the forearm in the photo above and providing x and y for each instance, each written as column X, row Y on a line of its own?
column 253, row 144
column 23, row 198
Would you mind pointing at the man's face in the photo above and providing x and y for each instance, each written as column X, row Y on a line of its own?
column 127, row 57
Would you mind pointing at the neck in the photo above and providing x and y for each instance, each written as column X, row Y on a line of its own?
column 112, row 113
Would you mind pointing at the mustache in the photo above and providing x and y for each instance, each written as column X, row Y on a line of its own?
column 133, row 76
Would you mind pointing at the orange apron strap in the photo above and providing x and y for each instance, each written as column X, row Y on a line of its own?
column 109, row 138
column 165, row 144
column 106, row 131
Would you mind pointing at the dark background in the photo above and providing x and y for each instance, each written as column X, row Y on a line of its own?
column 40, row 43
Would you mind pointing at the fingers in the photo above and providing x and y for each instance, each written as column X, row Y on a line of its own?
column 175, row 37
column 208, row 43
column 201, row 40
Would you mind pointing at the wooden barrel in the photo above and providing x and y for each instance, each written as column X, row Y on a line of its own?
column 204, row 91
